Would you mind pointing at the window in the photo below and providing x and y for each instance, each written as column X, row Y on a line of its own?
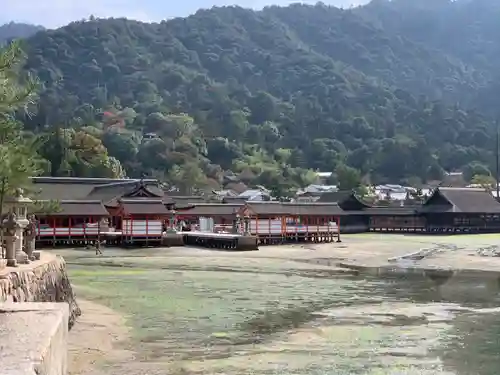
column 461, row 221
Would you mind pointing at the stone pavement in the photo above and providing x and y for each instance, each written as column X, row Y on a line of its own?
column 33, row 338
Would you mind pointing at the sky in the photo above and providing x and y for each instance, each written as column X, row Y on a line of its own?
column 56, row 13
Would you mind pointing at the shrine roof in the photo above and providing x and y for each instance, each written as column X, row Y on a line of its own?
column 143, row 206
column 88, row 208
column 212, row 209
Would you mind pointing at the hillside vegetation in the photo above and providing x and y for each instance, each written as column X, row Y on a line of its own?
column 14, row 30
column 393, row 91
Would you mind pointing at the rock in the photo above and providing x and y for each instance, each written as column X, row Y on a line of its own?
column 42, row 281
column 22, row 258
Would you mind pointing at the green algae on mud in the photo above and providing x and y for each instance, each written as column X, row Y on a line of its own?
column 101, row 271
column 195, row 305
column 236, row 315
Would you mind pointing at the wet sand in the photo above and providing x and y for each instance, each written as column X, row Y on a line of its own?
column 370, row 250
column 454, row 253
column 97, row 338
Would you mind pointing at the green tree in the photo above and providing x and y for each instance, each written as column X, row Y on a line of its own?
column 475, row 169
column 188, row 179
column 121, row 145
column 348, row 178
column 326, row 84
column 78, row 153
column 18, row 157
column 361, row 191
column 486, row 182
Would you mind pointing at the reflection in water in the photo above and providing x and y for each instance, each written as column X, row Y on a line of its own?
column 472, row 345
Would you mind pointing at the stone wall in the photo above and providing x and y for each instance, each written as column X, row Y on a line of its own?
column 34, row 337
column 44, row 280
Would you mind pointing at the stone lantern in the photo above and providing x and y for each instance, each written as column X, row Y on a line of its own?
column 29, row 238
column 18, row 205
column 246, row 225
column 171, row 222
column 10, row 227
column 236, row 224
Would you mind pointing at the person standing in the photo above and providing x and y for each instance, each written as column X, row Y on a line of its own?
column 98, row 250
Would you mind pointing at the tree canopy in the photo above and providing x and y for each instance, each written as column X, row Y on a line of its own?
column 377, row 91
column 18, row 157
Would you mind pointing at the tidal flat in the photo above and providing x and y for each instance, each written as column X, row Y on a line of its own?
column 286, row 310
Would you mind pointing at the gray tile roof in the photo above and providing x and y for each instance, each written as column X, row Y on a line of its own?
column 84, row 180
column 144, row 206
column 79, row 208
column 181, row 202
column 71, row 188
column 334, row 196
column 212, row 209
column 231, row 200
column 187, row 198
column 58, row 191
column 109, row 192
column 466, row 200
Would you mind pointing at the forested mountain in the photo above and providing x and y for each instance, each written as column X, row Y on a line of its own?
column 14, row 30
column 276, row 92
column 467, row 31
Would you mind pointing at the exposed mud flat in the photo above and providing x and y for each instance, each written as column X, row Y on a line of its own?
column 282, row 310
